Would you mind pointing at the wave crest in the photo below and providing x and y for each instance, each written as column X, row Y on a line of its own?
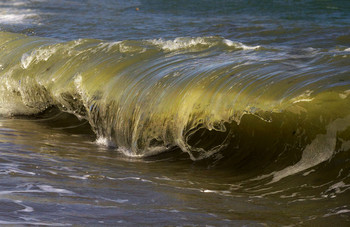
column 147, row 97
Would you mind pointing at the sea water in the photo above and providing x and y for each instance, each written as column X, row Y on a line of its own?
column 222, row 113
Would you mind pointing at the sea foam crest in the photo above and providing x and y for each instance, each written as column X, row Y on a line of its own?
column 179, row 43
column 107, row 46
column 187, row 42
column 37, row 55
column 239, row 45
column 125, row 46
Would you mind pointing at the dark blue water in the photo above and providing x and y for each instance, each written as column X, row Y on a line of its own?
column 294, row 23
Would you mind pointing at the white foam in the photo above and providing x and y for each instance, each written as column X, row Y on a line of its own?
column 219, row 192
column 11, row 18
column 11, row 169
column 239, row 45
column 303, row 100
column 52, row 172
column 338, row 188
column 121, row 46
column 48, row 188
column 11, row 14
column 27, row 209
column 26, row 60
column 320, row 150
column 117, row 200
column 208, row 191
column 109, row 45
column 43, row 188
column 150, row 151
column 103, row 141
column 345, row 94
column 305, row 97
column 130, row 178
column 126, row 178
column 308, row 172
column 179, row 43
column 343, row 211
column 347, row 49
column 186, row 42
column 289, row 196
column 85, row 177
column 37, row 55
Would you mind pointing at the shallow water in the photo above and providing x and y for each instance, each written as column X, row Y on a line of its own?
column 174, row 113
column 63, row 178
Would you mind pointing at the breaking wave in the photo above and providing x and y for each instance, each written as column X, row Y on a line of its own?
column 213, row 98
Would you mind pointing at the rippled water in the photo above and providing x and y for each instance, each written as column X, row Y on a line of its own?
column 174, row 113
column 64, row 178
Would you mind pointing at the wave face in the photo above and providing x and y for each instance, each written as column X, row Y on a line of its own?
column 211, row 97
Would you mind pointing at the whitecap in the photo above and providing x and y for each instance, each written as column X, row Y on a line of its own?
column 16, row 18
column 179, row 43
column 11, row 14
column 239, row 45
column 188, row 42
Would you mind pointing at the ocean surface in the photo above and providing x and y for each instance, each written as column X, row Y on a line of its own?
column 175, row 113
